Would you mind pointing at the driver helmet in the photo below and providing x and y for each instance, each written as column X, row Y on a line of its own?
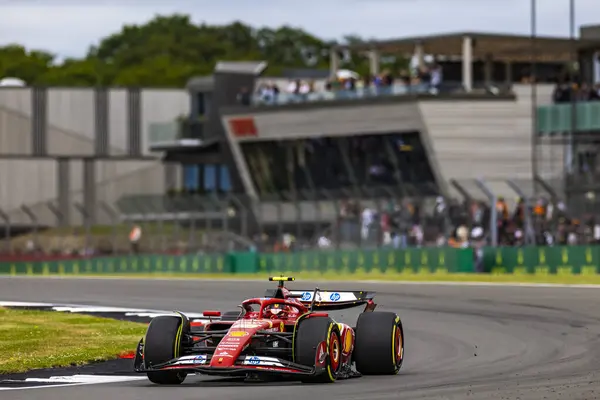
column 277, row 310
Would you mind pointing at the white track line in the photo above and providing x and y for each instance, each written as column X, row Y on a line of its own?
column 84, row 308
column 74, row 380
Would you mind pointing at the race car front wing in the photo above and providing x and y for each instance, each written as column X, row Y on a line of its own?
column 245, row 364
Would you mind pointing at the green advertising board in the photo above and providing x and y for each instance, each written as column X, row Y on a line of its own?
column 145, row 264
column 557, row 260
column 411, row 261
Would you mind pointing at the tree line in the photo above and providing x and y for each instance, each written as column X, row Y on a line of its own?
column 168, row 50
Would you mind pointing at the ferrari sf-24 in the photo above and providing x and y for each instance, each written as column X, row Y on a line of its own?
column 290, row 333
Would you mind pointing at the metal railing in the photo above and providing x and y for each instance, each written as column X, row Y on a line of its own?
column 397, row 89
column 504, row 212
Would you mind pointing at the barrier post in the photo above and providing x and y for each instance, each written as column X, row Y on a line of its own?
column 243, row 213
column 553, row 196
column 335, row 227
column 87, row 224
column 460, row 189
column 34, row 222
column 279, row 218
column 114, row 218
column 493, row 211
column 529, row 232
column 7, row 231
column 192, row 232
column 176, row 235
column 256, row 208
column 159, row 218
column 299, row 217
column 60, row 217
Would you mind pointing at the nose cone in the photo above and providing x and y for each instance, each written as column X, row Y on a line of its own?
column 239, row 336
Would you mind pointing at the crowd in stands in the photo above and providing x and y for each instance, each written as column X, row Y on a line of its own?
column 398, row 224
column 429, row 76
column 566, row 92
column 425, row 78
column 462, row 224
column 406, row 224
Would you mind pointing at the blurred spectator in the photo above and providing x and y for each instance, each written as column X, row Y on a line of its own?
column 436, row 78
column 268, row 93
column 568, row 90
column 324, row 243
column 562, row 92
column 367, row 219
column 424, row 76
column 405, row 77
column 595, row 93
column 244, row 97
column 135, row 236
column 418, row 235
column 503, row 221
column 401, row 224
column 294, row 87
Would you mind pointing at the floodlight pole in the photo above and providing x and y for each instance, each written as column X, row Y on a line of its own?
column 534, row 138
column 573, row 79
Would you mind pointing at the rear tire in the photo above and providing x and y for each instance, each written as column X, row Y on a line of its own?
column 310, row 332
column 162, row 344
column 379, row 343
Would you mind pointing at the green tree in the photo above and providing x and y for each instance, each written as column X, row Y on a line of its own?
column 17, row 62
column 73, row 72
column 169, row 50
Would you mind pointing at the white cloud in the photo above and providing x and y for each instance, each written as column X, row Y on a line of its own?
column 69, row 27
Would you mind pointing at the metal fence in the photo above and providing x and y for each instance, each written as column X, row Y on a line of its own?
column 525, row 213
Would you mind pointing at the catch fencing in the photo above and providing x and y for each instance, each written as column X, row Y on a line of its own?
column 180, row 223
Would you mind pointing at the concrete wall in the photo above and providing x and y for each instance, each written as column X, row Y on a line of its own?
column 71, row 117
column 550, row 157
column 490, row 140
column 468, row 138
column 335, row 122
column 316, row 122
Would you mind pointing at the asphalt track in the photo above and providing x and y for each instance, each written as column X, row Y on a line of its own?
column 462, row 342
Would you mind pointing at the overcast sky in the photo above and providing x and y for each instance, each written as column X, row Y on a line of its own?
column 69, row 27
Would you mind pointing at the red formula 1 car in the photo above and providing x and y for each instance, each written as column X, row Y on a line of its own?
column 288, row 333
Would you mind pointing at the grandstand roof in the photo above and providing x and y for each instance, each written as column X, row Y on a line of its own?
column 503, row 47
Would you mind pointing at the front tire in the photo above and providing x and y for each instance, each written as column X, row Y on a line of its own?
column 310, row 332
column 162, row 344
column 379, row 343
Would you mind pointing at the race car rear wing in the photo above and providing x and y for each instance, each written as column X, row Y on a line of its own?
column 322, row 299
column 329, row 299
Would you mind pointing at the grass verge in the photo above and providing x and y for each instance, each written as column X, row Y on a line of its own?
column 44, row 339
column 571, row 279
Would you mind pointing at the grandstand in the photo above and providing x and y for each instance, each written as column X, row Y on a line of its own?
column 214, row 158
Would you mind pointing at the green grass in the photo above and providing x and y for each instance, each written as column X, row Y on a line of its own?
column 391, row 277
column 44, row 339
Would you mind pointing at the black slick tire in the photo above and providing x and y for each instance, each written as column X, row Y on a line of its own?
column 379, row 343
column 310, row 332
column 161, row 344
